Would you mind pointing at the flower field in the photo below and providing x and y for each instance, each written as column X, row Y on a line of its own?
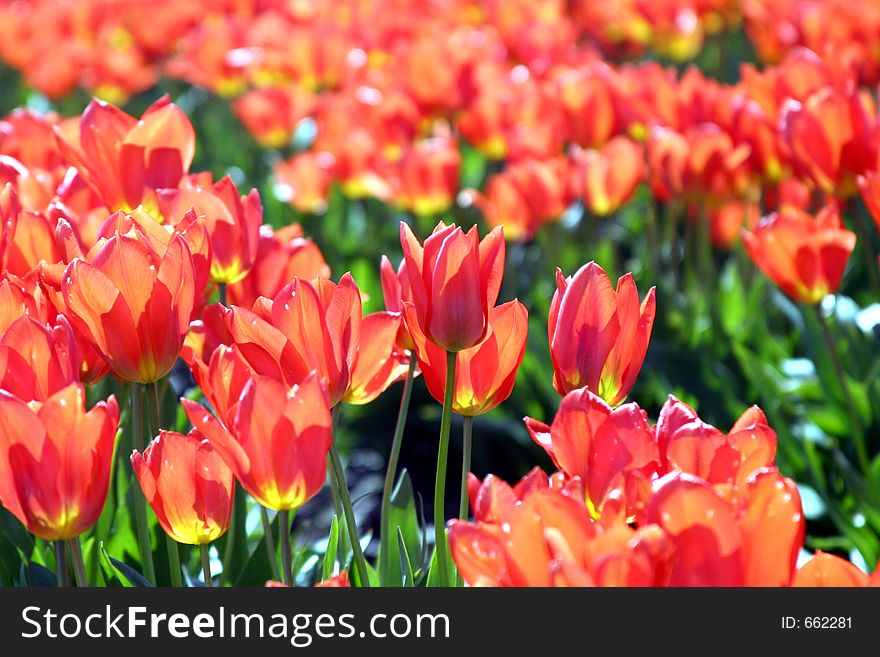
column 452, row 293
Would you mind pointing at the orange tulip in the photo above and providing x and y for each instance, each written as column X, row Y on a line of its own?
column 455, row 280
column 547, row 539
column 825, row 569
column 613, row 452
column 232, row 222
column 134, row 297
column 378, row 362
column 832, row 137
column 804, row 255
column 26, row 237
column 309, row 326
column 304, row 180
column 429, row 176
column 55, row 459
column 606, row 179
column 277, row 442
column 37, row 359
column 598, row 336
column 124, row 159
column 281, row 256
column 188, row 486
column 485, row 373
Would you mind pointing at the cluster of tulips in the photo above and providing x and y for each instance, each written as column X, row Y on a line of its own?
column 112, row 253
column 522, row 83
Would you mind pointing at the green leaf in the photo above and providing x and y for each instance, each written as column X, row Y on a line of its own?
column 127, row 576
column 10, row 561
column 403, row 521
column 406, row 568
column 15, row 533
column 329, row 568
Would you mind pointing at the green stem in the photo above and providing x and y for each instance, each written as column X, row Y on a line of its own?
column 391, row 472
column 174, row 562
column 840, row 373
column 286, row 561
column 440, row 483
column 269, row 541
column 76, row 557
column 467, row 445
column 221, row 293
column 140, row 502
column 206, row 564
column 360, row 563
column 61, row 574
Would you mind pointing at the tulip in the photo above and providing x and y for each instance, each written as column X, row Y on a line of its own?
column 37, row 359
column 804, row 255
column 232, row 223
column 304, row 181
column 281, row 256
column 869, row 187
column 455, row 280
column 134, row 298
column 126, row 160
column 484, row 374
column 832, row 138
column 598, row 336
column 606, row 179
column 277, row 442
column 188, row 486
column 825, row 569
column 429, row 177
column 378, row 362
column 55, row 459
column 612, row 451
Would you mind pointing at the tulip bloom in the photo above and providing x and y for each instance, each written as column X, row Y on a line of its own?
column 484, row 374
column 455, row 280
column 277, row 442
column 869, row 186
column 429, row 176
column 126, row 160
column 832, row 138
column 55, row 460
column 36, row 359
column 134, row 298
column 232, row 222
column 378, row 362
column 606, row 179
column 804, row 255
column 613, row 451
column 188, row 486
column 828, row 570
column 598, row 336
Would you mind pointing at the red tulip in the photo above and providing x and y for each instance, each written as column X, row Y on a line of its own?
column 455, row 280
column 55, row 459
column 429, row 177
column 188, row 486
column 36, row 359
column 869, row 186
column 378, row 362
column 134, row 299
column 124, row 159
column 277, row 442
column 613, row 452
column 832, row 136
column 804, row 255
column 484, row 374
column 232, row 223
column 598, row 336
column 606, row 179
